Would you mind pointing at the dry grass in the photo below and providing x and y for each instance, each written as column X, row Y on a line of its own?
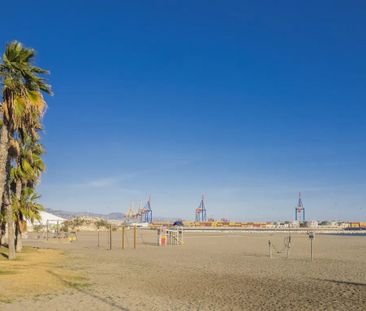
column 35, row 272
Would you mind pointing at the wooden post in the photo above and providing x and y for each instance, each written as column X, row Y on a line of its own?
column 311, row 249
column 288, row 245
column 110, row 237
column 47, row 230
column 270, row 248
column 134, row 237
column 123, row 237
column 98, row 238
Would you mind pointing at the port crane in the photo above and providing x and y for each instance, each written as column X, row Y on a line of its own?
column 142, row 214
column 299, row 210
column 200, row 212
column 145, row 213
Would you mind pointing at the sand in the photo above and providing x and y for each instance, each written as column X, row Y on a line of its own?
column 212, row 271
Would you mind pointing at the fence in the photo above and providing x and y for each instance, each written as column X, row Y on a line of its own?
column 134, row 237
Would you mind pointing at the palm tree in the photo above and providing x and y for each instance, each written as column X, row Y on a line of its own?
column 25, row 174
column 27, row 208
column 22, row 101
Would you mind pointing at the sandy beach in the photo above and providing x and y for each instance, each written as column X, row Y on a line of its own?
column 212, row 271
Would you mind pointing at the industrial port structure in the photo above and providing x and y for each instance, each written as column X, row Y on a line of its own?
column 299, row 210
column 146, row 212
column 142, row 215
column 200, row 212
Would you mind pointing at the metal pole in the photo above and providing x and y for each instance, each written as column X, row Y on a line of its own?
column 134, row 236
column 123, row 237
column 110, row 237
column 270, row 249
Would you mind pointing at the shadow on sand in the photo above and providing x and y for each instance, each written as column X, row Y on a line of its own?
column 4, row 251
column 342, row 282
column 81, row 290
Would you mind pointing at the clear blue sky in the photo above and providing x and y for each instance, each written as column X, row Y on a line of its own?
column 246, row 101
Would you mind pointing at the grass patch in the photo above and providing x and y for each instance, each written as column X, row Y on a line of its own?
column 36, row 272
column 7, row 272
column 71, row 280
column 29, row 249
column 6, row 300
column 78, row 285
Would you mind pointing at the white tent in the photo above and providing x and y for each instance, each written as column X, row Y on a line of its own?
column 47, row 218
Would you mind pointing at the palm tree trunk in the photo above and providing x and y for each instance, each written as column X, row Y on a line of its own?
column 11, row 233
column 18, row 233
column 4, row 148
column 9, row 215
column 4, row 188
column 2, row 227
column 2, row 232
column 18, row 238
column 10, row 221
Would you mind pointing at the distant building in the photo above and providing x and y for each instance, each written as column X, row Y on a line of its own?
column 311, row 224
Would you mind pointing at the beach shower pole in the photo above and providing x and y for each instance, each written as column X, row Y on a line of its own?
column 311, row 249
column 311, row 237
column 98, row 238
column 123, row 237
column 270, row 248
